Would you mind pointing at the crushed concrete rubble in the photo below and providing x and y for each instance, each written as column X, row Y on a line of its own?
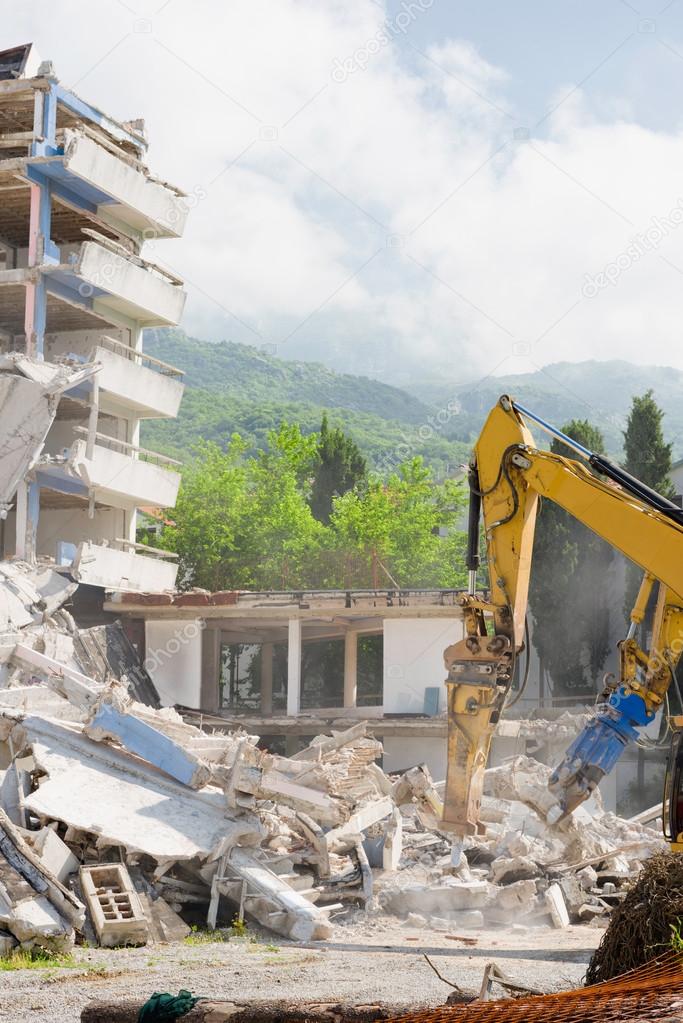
column 122, row 823
column 522, row 871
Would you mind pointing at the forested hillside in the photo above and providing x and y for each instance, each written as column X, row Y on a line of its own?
column 600, row 392
column 237, row 388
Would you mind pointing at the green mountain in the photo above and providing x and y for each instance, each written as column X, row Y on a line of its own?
column 249, row 373
column 598, row 391
column 237, row 388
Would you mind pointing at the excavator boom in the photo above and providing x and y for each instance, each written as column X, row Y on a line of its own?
column 507, row 476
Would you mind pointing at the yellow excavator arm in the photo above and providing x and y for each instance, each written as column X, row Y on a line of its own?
column 507, row 476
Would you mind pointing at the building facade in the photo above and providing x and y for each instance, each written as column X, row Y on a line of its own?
column 77, row 205
column 291, row 665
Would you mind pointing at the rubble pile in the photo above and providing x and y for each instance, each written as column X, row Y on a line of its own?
column 122, row 823
column 521, row 871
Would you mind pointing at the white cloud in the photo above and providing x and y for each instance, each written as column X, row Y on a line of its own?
column 396, row 218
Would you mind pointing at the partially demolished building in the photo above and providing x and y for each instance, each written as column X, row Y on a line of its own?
column 77, row 204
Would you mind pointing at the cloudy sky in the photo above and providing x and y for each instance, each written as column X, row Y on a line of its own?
column 408, row 188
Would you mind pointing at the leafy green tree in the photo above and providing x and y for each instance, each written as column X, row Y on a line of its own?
column 569, row 594
column 208, row 516
column 280, row 535
column 340, row 467
column 238, row 520
column 396, row 525
column 244, row 521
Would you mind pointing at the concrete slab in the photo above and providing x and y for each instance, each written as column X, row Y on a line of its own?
column 55, row 854
column 554, row 900
column 93, row 787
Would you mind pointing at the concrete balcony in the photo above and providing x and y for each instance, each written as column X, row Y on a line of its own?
column 116, row 474
column 103, row 182
column 131, row 384
column 90, row 286
column 117, row 286
column 122, row 194
column 127, row 568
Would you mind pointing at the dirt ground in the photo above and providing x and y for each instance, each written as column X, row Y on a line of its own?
column 362, row 963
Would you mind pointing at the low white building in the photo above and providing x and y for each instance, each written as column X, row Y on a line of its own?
column 288, row 666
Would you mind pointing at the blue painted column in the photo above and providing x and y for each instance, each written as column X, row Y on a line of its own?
column 41, row 248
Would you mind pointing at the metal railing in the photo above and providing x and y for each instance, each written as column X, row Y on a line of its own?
column 143, row 454
column 144, row 548
column 140, row 358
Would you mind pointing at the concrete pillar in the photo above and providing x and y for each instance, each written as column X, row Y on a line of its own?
column 210, row 669
column 41, row 248
column 267, row 679
column 132, row 436
column 350, row 668
column 21, row 520
column 32, row 514
column 294, row 667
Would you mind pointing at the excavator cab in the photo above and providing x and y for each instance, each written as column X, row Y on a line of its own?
column 672, row 806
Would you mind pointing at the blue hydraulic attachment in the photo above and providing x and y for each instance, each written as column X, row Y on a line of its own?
column 597, row 748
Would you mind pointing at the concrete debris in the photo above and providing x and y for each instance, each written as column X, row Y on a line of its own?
column 29, row 394
column 152, row 820
column 561, row 729
column 115, row 907
column 106, row 654
column 521, row 869
column 554, row 900
column 54, row 853
column 164, row 923
column 101, row 785
column 35, row 906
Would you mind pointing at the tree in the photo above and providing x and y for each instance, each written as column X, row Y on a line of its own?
column 397, row 525
column 649, row 459
column 207, row 516
column 244, row 521
column 281, row 538
column 569, row 594
column 239, row 520
column 340, row 467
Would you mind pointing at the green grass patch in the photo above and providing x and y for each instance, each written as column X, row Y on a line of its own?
column 256, row 946
column 37, row 959
column 204, row 936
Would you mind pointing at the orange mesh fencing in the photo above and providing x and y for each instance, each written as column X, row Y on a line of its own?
column 651, row 993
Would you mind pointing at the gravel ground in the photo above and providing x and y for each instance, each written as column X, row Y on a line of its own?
column 363, row 963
